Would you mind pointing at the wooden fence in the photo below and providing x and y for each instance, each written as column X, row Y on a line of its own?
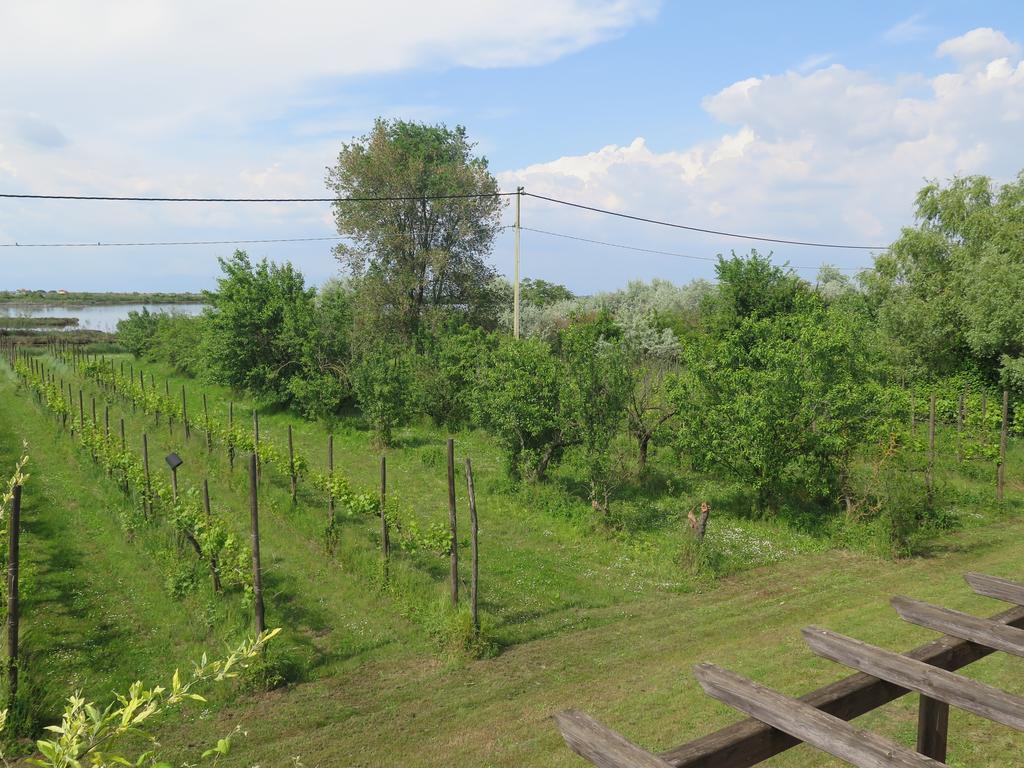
column 819, row 718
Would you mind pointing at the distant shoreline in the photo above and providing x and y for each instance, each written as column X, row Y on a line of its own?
column 88, row 298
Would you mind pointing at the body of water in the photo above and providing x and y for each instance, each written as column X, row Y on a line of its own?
column 94, row 317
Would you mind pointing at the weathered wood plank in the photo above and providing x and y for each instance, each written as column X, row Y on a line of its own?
column 932, row 727
column 603, row 747
column 983, row 700
column 748, row 742
column 986, row 632
column 1000, row 589
column 819, row 729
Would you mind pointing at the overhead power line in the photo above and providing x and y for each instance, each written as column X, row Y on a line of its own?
column 656, row 251
column 170, row 242
column 101, row 244
column 372, row 199
column 476, row 195
column 689, row 228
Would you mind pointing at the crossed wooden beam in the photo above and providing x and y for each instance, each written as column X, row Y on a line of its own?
column 778, row 722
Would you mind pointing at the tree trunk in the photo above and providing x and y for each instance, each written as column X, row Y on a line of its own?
column 644, row 442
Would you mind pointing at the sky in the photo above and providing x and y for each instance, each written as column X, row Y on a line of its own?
column 798, row 120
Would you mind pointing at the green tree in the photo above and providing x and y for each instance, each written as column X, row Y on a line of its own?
column 950, row 288
column 449, row 374
column 322, row 386
column 256, row 325
column 781, row 398
column 595, row 387
column 518, row 403
column 135, row 332
column 541, row 293
column 428, row 248
column 382, row 379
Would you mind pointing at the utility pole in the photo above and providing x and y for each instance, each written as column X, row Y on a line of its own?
column 515, row 280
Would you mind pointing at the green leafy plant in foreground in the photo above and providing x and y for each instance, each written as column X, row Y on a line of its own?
column 90, row 737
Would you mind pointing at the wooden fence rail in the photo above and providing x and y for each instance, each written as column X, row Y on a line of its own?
column 819, row 718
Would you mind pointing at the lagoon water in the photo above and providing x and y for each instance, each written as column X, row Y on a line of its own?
column 94, row 317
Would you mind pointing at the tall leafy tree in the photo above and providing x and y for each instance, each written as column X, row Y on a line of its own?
column 951, row 288
column 782, row 391
column 256, row 326
column 427, row 249
column 518, row 402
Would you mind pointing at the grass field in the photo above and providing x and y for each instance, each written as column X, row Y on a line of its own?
column 581, row 616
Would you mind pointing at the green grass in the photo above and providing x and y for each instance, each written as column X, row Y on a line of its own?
column 632, row 670
column 609, row 621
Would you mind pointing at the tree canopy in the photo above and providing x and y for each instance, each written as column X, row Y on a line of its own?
column 421, row 211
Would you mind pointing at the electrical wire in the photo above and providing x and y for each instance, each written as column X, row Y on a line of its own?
column 178, row 242
column 408, row 198
column 656, row 251
column 184, row 242
column 381, row 199
column 659, row 222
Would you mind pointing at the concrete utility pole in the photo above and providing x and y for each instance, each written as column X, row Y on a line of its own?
column 515, row 280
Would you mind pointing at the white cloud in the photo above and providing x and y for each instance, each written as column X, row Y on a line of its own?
column 979, row 46
column 161, row 64
column 836, row 154
column 907, row 30
column 169, row 98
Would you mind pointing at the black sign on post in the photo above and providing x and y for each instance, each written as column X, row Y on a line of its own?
column 174, row 461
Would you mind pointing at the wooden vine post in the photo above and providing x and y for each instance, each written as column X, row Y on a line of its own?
column 231, row 432
column 106, row 434
column 184, row 414
column 254, row 514
column 147, row 506
column 960, row 416
column 931, row 445
column 124, row 485
column 330, row 479
column 214, row 565
column 453, row 546
column 385, row 538
column 256, row 442
column 13, row 607
column 206, row 420
column 1003, row 433
column 291, row 465
column 475, row 572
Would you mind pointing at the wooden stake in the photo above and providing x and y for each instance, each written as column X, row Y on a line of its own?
column 256, row 442
column 254, row 513
column 931, row 445
column 231, row 431
column 385, row 538
column 124, row 485
column 291, row 463
column 1003, row 433
column 330, row 474
column 214, row 565
column 453, row 526
column 206, row 421
column 184, row 414
column 960, row 429
column 475, row 573
column 147, row 506
column 13, row 607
